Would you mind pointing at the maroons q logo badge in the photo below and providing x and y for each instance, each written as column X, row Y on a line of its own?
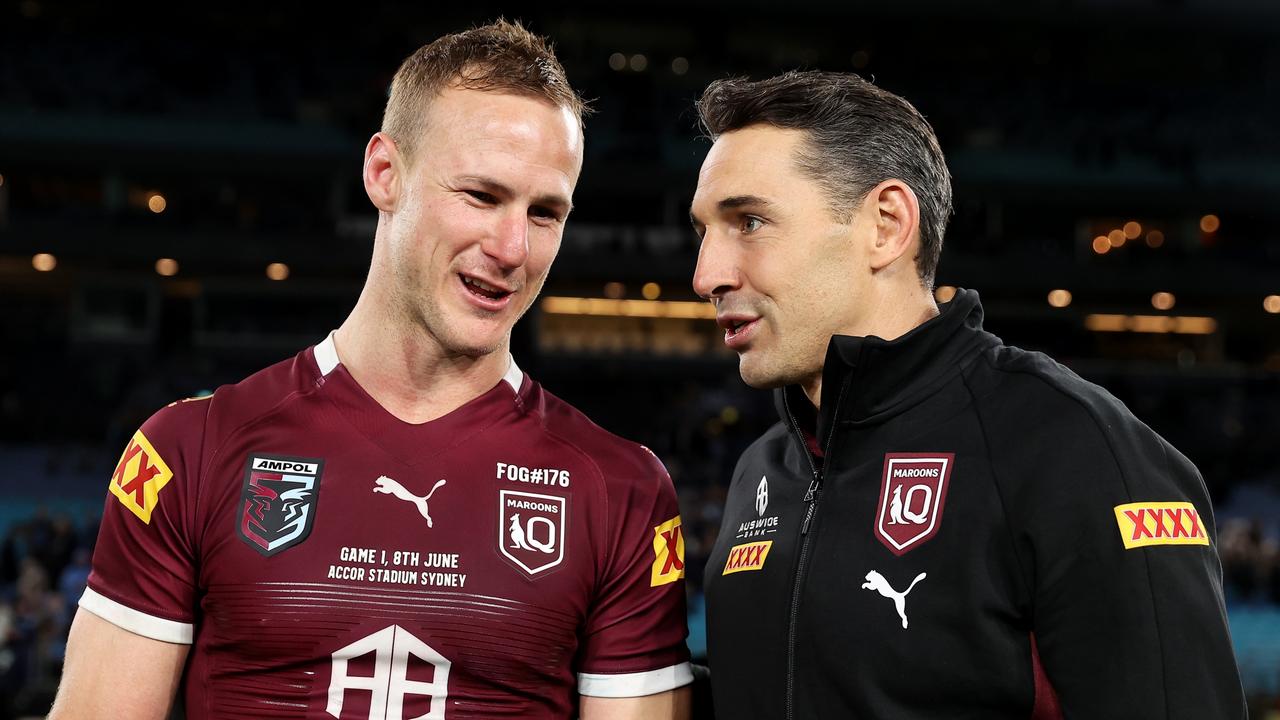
column 531, row 530
column 912, row 492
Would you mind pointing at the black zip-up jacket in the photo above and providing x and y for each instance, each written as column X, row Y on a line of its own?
column 980, row 531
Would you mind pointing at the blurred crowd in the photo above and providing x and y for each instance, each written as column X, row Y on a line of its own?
column 1250, row 562
column 44, row 563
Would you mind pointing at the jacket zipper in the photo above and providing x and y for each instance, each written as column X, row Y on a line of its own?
column 811, row 499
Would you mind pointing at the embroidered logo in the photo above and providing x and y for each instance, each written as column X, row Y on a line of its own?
column 668, row 550
column 1152, row 523
column 531, row 529
column 748, row 556
column 278, row 501
column 139, row 477
column 912, row 491
column 388, row 486
column 392, row 653
column 875, row 581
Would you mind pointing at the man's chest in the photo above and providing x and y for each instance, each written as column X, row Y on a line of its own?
column 901, row 557
column 320, row 552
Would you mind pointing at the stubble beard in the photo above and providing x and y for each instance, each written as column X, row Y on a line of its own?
column 420, row 309
column 779, row 365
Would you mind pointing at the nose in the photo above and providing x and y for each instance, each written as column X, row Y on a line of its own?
column 717, row 270
column 508, row 243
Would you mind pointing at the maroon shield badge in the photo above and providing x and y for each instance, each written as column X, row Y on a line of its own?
column 531, row 529
column 278, row 501
column 912, row 492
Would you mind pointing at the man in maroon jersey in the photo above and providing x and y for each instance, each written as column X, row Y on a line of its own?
column 398, row 523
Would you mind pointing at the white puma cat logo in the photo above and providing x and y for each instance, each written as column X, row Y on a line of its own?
column 875, row 581
column 388, row 486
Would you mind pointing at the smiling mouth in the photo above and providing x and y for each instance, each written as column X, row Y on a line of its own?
column 482, row 289
column 738, row 326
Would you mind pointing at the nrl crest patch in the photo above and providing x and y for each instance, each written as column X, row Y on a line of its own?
column 912, row 491
column 278, row 501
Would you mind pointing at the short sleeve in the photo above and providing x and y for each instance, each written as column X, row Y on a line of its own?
column 636, row 630
column 143, row 574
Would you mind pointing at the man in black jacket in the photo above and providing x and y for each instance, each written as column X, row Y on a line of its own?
column 941, row 526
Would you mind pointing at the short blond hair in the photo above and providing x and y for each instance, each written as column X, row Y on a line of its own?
column 499, row 57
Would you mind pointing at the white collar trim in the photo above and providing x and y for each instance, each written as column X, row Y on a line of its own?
column 327, row 354
column 327, row 358
column 514, row 376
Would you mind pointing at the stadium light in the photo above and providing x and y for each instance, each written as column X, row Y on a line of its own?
column 1059, row 298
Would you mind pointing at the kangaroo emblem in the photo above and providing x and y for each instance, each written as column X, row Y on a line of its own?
column 524, row 542
column 875, row 581
column 387, row 486
column 897, row 512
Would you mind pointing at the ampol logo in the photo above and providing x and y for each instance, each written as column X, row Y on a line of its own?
column 278, row 501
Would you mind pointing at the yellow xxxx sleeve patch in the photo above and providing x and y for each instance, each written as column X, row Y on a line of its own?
column 668, row 549
column 1151, row 523
column 139, row 477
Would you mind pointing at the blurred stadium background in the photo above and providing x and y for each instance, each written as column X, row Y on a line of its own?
column 180, row 205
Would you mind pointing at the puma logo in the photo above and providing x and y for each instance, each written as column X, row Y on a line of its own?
column 875, row 581
column 387, row 486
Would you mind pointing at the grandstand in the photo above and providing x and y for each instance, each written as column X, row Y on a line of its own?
column 179, row 209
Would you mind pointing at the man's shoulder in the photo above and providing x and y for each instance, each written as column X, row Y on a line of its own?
column 1034, row 409
column 1037, row 388
column 209, row 417
column 616, row 458
column 762, row 454
column 771, row 443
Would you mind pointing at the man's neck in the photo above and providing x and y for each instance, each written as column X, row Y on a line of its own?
column 813, row 390
column 406, row 370
column 893, row 321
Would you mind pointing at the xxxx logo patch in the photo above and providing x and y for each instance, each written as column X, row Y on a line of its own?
column 139, row 477
column 1170, row 523
column 668, row 549
column 748, row 556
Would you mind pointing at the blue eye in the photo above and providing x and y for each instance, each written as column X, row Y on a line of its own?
column 751, row 223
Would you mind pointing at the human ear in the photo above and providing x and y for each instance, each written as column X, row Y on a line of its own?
column 382, row 171
column 896, row 215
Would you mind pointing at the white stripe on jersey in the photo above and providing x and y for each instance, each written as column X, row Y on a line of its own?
column 135, row 621
column 619, row 685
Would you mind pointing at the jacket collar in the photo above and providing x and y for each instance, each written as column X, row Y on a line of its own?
column 869, row 378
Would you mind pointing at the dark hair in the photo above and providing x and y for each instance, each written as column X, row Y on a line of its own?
column 499, row 57
column 858, row 136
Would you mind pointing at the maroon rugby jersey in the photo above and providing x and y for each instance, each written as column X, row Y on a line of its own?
column 328, row 560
